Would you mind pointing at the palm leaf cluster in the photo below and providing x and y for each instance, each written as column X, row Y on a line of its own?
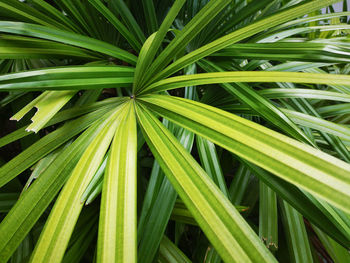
column 174, row 131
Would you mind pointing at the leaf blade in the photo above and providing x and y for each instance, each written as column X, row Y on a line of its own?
column 209, row 207
column 58, row 228
column 319, row 173
column 117, row 228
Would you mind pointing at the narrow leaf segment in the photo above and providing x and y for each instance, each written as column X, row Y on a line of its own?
column 317, row 172
column 232, row 237
column 117, row 229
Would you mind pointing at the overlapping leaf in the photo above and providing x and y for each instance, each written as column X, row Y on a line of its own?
column 302, row 165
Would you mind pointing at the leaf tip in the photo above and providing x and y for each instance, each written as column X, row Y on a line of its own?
column 30, row 129
column 13, row 118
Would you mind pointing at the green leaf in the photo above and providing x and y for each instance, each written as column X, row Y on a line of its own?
column 302, row 203
column 320, row 124
column 338, row 253
column 12, row 96
column 342, row 88
column 152, row 44
column 56, row 14
column 54, row 238
column 155, row 217
column 296, row 234
column 268, row 219
column 77, row 250
column 309, row 18
column 159, row 202
column 22, row 253
column 41, row 166
column 94, row 193
column 239, row 184
column 263, row 107
column 24, row 12
column 271, row 37
column 210, row 162
column 150, row 15
column 231, row 236
column 64, row 116
column 160, row 196
column 304, row 93
column 118, row 221
column 120, row 7
column 68, row 78
column 231, row 22
column 79, row 15
column 116, row 23
column 18, row 47
column 169, row 253
column 189, row 32
column 246, row 76
column 95, row 181
column 7, row 200
column 47, row 105
column 334, row 110
column 338, row 217
column 306, row 167
column 46, row 145
column 292, row 51
column 243, row 33
column 34, row 201
column 66, row 37
column 181, row 214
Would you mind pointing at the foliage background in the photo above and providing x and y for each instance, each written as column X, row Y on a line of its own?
column 246, row 160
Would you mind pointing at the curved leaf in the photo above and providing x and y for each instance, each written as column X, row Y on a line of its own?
column 116, row 23
column 231, row 236
column 117, row 228
column 54, row 238
column 240, row 34
column 284, row 51
column 66, row 37
column 68, row 78
column 46, row 145
column 18, row 47
column 246, row 76
column 306, row 167
column 34, row 201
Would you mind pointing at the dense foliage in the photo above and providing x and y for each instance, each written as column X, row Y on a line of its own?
column 174, row 131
